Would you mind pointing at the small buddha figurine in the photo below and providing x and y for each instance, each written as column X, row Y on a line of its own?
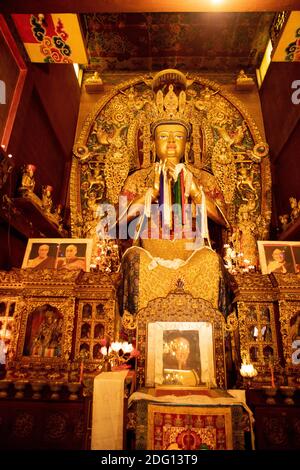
column 94, row 83
column 59, row 216
column 94, row 79
column 284, row 220
column 47, row 198
column 295, row 210
column 28, row 182
column 243, row 82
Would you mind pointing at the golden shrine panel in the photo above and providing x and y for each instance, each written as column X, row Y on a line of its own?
column 96, row 320
column 180, row 311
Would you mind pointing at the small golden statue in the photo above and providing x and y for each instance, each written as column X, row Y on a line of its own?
column 284, row 220
column 94, row 83
column 58, row 215
column 47, row 198
column 243, row 82
column 295, row 209
column 28, row 182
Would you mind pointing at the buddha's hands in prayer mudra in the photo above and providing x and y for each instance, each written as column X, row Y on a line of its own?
column 170, row 140
column 170, row 171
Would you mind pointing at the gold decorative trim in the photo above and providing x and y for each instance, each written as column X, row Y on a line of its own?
column 287, row 310
column 29, row 304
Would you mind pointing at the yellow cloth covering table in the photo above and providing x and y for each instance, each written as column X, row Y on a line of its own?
column 108, row 411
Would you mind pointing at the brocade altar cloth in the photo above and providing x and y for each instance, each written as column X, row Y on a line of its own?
column 192, row 422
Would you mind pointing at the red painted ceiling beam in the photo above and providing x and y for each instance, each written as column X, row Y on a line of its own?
column 131, row 6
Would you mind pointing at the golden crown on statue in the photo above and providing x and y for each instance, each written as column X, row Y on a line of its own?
column 171, row 108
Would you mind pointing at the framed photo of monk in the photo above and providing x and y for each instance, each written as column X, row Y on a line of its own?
column 180, row 354
column 58, row 253
column 278, row 257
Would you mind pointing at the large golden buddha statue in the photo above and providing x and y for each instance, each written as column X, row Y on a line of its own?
column 192, row 165
column 168, row 212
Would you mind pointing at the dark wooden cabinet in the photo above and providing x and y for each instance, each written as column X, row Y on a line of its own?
column 277, row 426
column 26, row 424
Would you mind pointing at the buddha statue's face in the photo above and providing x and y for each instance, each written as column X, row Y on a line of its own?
column 170, row 141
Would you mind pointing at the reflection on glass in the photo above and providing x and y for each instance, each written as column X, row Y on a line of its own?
column 12, row 309
column 252, row 313
column 2, row 308
column 268, row 352
column 87, row 311
column 99, row 330
column 85, row 331
column 253, row 333
column 84, row 351
column 295, row 327
column 254, row 354
column 97, row 351
column 100, row 311
column 265, row 314
column 266, row 333
column 181, row 357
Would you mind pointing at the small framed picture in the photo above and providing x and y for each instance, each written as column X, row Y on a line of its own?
column 279, row 257
column 180, row 354
column 58, row 253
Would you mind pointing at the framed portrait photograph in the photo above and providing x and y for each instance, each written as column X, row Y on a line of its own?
column 58, row 253
column 279, row 257
column 180, row 354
